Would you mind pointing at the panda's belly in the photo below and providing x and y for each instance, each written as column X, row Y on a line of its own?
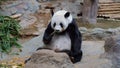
column 61, row 42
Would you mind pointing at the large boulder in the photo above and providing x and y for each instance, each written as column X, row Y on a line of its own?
column 19, row 6
column 49, row 59
column 112, row 49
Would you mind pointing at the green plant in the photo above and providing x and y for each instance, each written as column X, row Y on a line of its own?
column 9, row 34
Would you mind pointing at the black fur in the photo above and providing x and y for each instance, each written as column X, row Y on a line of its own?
column 67, row 15
column 52, row 12
column 47, row 35
column 76, row 40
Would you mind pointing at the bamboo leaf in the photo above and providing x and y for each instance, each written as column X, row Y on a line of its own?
column 9, row 33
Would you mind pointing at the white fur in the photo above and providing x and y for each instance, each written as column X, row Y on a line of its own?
column 58, row 18
column 60, row 42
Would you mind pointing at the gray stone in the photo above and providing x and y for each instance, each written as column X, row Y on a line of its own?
column 13, row 4
column 97, row 31
column 112, row 49
column 118, row 29
column 27, row 20
column 49, row 59
column 10, row 8
column 33, row 5
column 111, row 31
column 116, row 0
column 83, row 29
column 4, row 13
column 28, row 27
column 20, row 6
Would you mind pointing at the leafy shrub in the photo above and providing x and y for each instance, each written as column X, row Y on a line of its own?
column 9, row 34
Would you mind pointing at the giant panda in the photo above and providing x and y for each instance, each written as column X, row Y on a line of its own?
column 62, row 35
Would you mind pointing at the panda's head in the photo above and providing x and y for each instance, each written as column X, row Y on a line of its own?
column 60, row 20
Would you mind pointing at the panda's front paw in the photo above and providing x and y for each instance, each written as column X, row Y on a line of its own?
column 47, row 39
column 52, row 33
column 78, row 57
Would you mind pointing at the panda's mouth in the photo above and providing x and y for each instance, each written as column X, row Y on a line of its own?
column 54, row 32
column 57, row 31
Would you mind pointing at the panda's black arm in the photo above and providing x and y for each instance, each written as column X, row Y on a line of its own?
column 76, row 41
column 47, row 34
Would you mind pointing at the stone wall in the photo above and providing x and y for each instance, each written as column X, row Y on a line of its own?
column 98, row 33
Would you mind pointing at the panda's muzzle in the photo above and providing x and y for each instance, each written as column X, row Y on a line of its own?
column 54, row 32
column 57, row 31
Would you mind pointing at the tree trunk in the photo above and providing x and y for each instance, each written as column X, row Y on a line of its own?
column 90, row 9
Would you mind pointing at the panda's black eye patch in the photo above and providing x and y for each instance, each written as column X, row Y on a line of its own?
column 54, row 24
column 61, row 25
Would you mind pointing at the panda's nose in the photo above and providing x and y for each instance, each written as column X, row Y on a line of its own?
column 57, row 30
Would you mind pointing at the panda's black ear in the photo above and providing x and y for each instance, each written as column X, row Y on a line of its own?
column 67, row 15
column 52, row 12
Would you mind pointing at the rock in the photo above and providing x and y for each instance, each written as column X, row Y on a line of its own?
column 16, row 16
column 118, row 30
column 27, row 20
column 32, row 5
column 32, row 24
column 28, row 26
column 112, row 49
column 20, row 6
column 98, row 33
column 49, row 59
column 83, row 29
column 97, row 30
column 111, row 31
column 43, row 16
column 13, row 10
